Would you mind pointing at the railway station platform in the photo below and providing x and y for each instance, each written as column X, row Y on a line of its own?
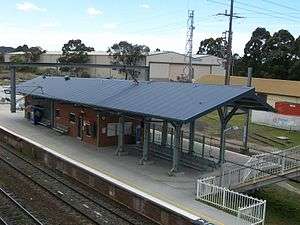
column 150, row 181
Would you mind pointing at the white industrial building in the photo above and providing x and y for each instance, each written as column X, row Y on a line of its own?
column 165, row 65
column 170, row 65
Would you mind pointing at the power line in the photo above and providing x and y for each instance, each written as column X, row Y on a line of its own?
column 255, row 11
column 264, row 9
column 281, row 5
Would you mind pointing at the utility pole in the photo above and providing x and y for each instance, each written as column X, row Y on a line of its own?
column 228, row 64
column 227, row 77
column 229, row 47
column 188, row 71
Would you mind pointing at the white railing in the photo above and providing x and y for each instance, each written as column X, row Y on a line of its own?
column 260, row 166
column 248, row 210
column 274, row 163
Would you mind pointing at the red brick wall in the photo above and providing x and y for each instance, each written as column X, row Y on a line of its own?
column 89, row 116
column 63, row 121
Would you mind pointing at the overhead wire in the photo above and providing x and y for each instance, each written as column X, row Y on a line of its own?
column 281, row 5
column 257, row 12
column 265, row 9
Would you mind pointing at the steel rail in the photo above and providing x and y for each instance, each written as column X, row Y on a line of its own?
column 2, row 221
column 20, row 206
column 67, row 185
column 50, row 192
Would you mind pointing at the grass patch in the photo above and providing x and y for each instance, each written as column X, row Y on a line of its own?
column 211, row 124
column 283, row 207
column 294, row 184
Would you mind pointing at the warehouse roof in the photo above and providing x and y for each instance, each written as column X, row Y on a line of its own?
column 262, row 85
column 175, row 101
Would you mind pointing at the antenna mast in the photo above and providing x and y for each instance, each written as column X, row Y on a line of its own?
column 188, row 71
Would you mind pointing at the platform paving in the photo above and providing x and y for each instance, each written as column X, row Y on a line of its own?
column 152, row 179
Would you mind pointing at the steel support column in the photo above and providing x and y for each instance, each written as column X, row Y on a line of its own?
column 191, row 137
column 13, row 89
column 98, row 130
column 52, row 114
column 246, row 131
column 121, row 146
column 176, row 149
column 224, row 116
column 164, row 133
column 146, row 141
column 222, row 142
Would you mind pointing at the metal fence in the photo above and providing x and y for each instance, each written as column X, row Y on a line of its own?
column 275, row 163
column 260, row 166
column 203, row 145
column 248, row 210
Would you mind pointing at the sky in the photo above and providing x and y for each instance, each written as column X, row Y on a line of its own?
column 156, row 23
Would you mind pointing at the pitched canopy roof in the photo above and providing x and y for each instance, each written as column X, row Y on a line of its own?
column 181, row 102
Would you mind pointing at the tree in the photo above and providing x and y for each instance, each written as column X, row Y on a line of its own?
column 31, row 54
column 75, row 52
column 127, row 54
column 254, row 54
column 294, row 71
column 239, row 65
column 297, row 48
column 279, row 54
column 213, row 46
column 18, row 59
column 271, row 56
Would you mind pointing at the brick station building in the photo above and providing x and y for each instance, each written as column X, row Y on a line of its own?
column 79, row 121
column 108, row 112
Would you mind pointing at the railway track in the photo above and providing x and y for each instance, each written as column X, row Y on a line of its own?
column 12, row 212
column 80, row 201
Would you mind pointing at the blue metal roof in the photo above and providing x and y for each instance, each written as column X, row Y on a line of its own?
column 176, row 101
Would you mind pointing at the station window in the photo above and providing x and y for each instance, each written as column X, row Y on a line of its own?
column 72, row 117
column 57, row 113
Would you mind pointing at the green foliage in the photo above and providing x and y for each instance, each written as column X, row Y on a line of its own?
column 254, row 52
column 127, row 54
column 294, row 71
column 282, row 205
column 274, row 56
column 75, row 52
column 18, row 59
column 31, row 54
column 213, row 46
column 297, row 47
